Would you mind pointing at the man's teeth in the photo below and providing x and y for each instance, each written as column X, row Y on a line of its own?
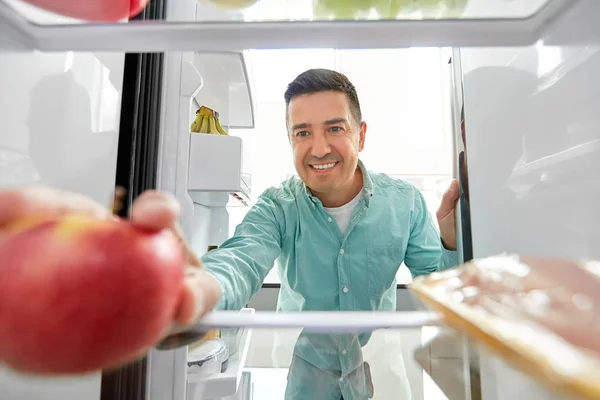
column 324, row 166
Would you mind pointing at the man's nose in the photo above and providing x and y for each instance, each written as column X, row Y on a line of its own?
column 320, row 146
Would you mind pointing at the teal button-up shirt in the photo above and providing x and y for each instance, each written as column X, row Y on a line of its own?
column 321, row 270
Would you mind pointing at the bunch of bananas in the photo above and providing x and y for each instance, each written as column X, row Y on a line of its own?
column 207, row 121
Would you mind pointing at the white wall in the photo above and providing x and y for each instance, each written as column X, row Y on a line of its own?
column 59, row 121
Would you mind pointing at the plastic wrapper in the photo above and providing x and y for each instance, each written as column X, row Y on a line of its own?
column 541, row 315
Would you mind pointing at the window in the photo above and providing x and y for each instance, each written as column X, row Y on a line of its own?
column 404, row 98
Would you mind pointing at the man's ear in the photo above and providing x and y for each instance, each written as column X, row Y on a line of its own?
column 362, row 134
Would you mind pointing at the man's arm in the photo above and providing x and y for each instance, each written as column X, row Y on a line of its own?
column 242, row 262
column 425, row 252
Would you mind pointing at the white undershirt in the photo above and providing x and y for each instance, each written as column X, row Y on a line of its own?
column 343, row 214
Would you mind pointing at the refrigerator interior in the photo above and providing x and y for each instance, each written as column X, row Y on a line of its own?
column 530, row 146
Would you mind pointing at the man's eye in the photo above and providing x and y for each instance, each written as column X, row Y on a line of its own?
column 336, row 129
column 302, row 133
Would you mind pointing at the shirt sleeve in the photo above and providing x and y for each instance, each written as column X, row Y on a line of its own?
column 425, row 252
column 242, row 262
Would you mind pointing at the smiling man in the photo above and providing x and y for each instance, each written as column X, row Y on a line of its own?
column 338, row 232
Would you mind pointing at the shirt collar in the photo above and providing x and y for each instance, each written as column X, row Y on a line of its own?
column 367, row 186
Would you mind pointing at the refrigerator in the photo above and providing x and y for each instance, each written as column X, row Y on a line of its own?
column 86, row 106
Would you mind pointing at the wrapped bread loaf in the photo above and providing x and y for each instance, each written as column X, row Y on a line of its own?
column 541, row 315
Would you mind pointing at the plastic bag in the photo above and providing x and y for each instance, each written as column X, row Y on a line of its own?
column 540, row 314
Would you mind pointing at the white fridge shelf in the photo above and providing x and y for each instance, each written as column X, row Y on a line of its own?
column 319, row 321
column 488, row 23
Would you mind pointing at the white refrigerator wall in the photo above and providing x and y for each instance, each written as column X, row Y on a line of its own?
column 59, row 122
column 533, row 149
column 533, row 141
column 59, row 115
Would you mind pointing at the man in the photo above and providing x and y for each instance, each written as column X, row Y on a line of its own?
column 339, row 233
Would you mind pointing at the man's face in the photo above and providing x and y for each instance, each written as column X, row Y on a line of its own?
column 325, row 139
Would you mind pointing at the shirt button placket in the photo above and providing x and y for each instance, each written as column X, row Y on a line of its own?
column 345, row 300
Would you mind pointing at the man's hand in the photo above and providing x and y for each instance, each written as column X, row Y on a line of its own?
column 446, row 216
column 151, row 210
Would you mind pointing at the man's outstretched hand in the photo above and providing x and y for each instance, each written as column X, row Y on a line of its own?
column 151, row 210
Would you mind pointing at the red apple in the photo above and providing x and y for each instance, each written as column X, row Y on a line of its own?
column 79, row 294
column 137, row 6
column 93, row 10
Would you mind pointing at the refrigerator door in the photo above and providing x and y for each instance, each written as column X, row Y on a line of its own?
column 463, row 223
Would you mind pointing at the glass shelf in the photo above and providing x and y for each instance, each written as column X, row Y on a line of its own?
column 329, row 10
column 289, row 24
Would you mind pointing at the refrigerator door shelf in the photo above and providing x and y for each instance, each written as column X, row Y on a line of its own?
column 226, row 88
column 228, row 382
column 215, row 170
